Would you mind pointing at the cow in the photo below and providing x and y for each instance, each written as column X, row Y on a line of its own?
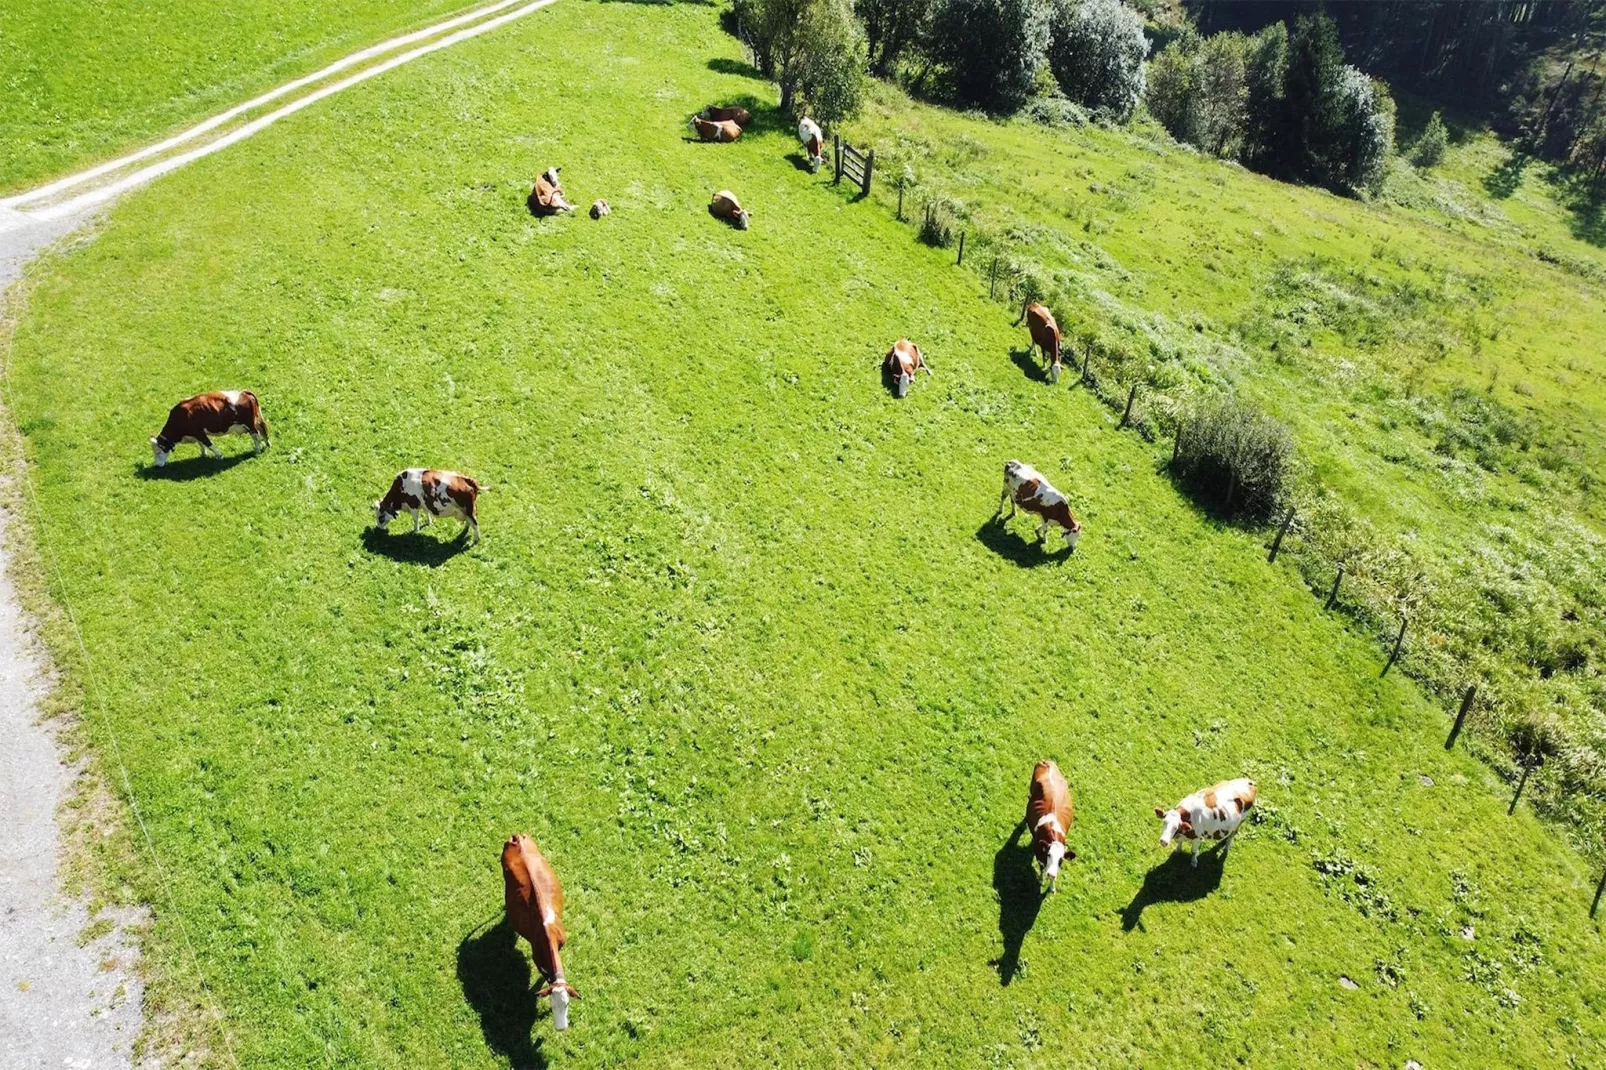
column 740, row 116
column 433, row 493
column 220, row 412
column 547, row 196
column 725, row 206
column 1049, row 814
column 725, row 130
column 1045, row 335
column 1212, row 813
column 534, row 901
column 1024, row 486
column 813, row 143
column 901, row 363
column 599, row 208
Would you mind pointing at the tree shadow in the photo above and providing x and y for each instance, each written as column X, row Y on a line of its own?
column 1175, row 881
column 414, row 547
column 191, row 468
column 1585, row 197
column 1020, row 897
column 495, row 975
column 1028, row 365
column 996, row 536
column 1503, row 181
column 724, row 65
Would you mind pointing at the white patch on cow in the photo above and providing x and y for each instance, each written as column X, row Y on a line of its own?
column 548, row 916
column 159, row 455
column 1049, row 819
column 232, row 396
column 1056, row 854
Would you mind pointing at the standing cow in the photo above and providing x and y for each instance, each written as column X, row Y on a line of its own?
column 813, row 143
column 901, row 363
column 1024, row 486
column 1049, row 814
column 1212, row 813
column 724, row 130
column 432, row 493
column 220, row 412
column 725, row 206
column 547, row 196
column 534, row 900
column 1045, row 336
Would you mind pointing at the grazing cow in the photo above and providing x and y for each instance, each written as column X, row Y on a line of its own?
column 220, row 412
column 900, row 365
column 1049, row 814
column 724, row 130
column 813, row 142
column 1208, row 814
column 1024, row 486
column 740, row 116
column 599, row 209
column 547, row 196
column 1045, row 336
column 724, row 206
column 433, row 493
column 534, row 901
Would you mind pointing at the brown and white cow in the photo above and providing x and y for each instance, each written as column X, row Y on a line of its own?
column 220, row 412
column 808, row 132
column 740, row 116
column 534, row 900
column 1024, row 486
column 1045, row 336
column 1212, row 813
column 900, row 365
column 1049, row 814
column 725, row 206
column 715, row 131
column 432, row 493
column 547, row 196
column 600, row 208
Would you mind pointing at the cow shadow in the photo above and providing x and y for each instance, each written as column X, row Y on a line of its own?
column 420, row 547
column 801, row 162
column 1027, row 553
column 495, row 975
column 191, row 468
column 1029, row 365
column 1175, row 881
column 1020, row 897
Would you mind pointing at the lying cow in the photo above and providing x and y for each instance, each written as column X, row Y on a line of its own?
column 724, row 130
column 220, row 412
column 1045, row 336
column 740, row 116
column 813, row 143
column 900, row 365
column 725, row 206
column 600, row 208
column 534, row 901
column 432, row 493
column 1208, row 814
column 1024, row 486
column 1049, row 814
column 547, row 196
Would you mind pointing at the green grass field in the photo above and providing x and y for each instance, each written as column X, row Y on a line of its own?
column 740, row 648
column 81, row 80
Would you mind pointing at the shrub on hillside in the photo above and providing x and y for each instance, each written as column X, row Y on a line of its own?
column 1429, row 148
column 1198, row 89
column 1096, row 51
column 1234, row 457
column 939, row 225
column 991, row 50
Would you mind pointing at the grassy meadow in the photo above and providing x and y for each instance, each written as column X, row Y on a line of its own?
column 82, row 80
column 741, row 647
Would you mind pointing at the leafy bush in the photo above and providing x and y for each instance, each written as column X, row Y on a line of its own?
column 1235, row 457
column 1096, row 51
column 1053, row 109
column 1199, row 91
column 813, row 49
column 992, row 50
column 1429, row 148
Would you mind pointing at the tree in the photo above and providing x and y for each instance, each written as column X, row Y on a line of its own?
column 1266, row 115
column 992, row 49
column 813, row 49
column 1429, row 148
column 1198, row 89
column 1170, row 89
column 891, row 27
column 1096, row 50
column 1313, row 102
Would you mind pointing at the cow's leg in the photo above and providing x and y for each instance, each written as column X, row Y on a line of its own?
column 415, row 519
column 1196, row 852
column 206, row 445
column 1042, row 533
column 471, row 524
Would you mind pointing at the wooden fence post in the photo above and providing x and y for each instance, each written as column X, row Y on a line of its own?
column 992, row 280
column 836, row 140
column 1126, row 417
column 869, row 170
column 1527, row 768
column 1332, row 596
column 1399, row 640
column 961, row 259
column 1087, row 358
column 1277, row 543
column 1460, row 718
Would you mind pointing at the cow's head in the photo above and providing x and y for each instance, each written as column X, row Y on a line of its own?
column 551, row 176
column 383, row 516
column 1176, row 822
column 1051, row 851
column 742, row 218
column 561, row 993
column 1054, row 373
column 900, row 382
column 160, row 448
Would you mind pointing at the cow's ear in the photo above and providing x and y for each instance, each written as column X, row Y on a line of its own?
column 573, row 991
column 1186, row 827
column 1070, row 856
column 1159, row 813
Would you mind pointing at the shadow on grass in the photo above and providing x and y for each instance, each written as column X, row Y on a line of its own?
column 495, row 975
column 1585, row 197
column 414, row 547
column 1503, row 181
column 1029, row 365
column 996, row 536
column 191, row 468
column 801, row 162
column 1019, row 899
column 724, row 65
column 1175, row 881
